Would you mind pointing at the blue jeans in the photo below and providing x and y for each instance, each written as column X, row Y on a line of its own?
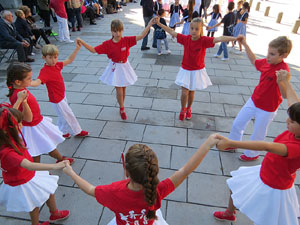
column 159, row 44
column 75, row 13
column 145, row 40
column 223, row 47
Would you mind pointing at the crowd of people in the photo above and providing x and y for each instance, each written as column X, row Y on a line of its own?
column 265, row 193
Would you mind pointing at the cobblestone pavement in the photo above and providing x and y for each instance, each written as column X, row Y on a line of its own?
column 152, row 106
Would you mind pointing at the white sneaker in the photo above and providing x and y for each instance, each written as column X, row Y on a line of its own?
column 225, row 59
column 238, row 52
column 216, row 56
column 168, row 52
column 159, row 53
column 69, row 41
column 32, row 53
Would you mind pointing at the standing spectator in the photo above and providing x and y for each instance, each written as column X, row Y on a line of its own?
column 10, row 39
column 44, row 11
column 197, row 6
column 62, row 20
column 204, row 6
column 75, row 7
column 147, row 15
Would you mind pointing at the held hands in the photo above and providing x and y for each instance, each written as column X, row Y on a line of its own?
column 283, row 75
column 154, row 21
column 61, row 165
column 67, row 169
column 223, row 142
column 212, row 140
column 25, row 43
column 78, row 43
column 241, row 39
column 22, row 95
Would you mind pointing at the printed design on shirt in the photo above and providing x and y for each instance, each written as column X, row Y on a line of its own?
column 113, row 67
column 269, row 78
column 123, row 49
column 135, row 219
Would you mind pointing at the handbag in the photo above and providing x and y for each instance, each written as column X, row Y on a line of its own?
column 160, row 33
column 83, row 9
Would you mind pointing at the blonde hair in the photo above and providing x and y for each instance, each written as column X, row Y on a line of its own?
column 116, row 25
column 200, row 21
column 25, row 9
column 49, row 50
column 283, row 44
column 19, row 13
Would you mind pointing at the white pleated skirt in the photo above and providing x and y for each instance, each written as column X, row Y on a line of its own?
column 118, row 74
column 42, row 138
column 160, row 220
column 193, row 79
column 26, row 197
column 262, row 204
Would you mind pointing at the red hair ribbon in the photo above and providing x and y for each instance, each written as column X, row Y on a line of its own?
column 10, row 87
column 151, row 208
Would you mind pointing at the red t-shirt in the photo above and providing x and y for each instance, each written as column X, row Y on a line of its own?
column 194, row 51
column 117, row 52
column 280, row 172
column 59, row 7
column 34, row 106
column 266, row 95
column 13, row 174
column 130, row 206
column 51, row 76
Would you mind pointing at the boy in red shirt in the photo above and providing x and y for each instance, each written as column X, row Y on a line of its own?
column 51, row 76
column 267, row 95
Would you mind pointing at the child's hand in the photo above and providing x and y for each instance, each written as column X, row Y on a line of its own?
column 241, row 39
column 223, row 143
column 153, row 20
column 283, row 75
column 22, row 95
column 61, row 165
column 212, row 140
column 78, row 43
column 208, row 28
column 67, row 169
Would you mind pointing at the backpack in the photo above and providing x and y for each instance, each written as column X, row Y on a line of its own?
column 160, row 34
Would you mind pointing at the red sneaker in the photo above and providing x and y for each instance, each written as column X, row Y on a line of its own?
column 182, row 114
column 123, row 114
column 66, row 158
column 188, row 114
column 45, row 223
column 248, row 159
column 225, row 216
column 230, row 149
column 67, row 136
column 83, row 133
column 59, row 215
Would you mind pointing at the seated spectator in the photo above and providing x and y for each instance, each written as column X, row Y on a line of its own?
column 10, row 39
column 90, row 12
column 23, row 28
column 37, row 32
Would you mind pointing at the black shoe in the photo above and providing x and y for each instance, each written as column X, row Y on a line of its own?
column 29, row 60
column 144, row 48
column 93, row 23
column 154, row 46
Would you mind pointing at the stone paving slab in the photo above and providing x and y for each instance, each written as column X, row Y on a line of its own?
column 113, row 114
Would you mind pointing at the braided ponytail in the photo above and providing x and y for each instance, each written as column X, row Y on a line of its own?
column 16, row 71
column 142, row 166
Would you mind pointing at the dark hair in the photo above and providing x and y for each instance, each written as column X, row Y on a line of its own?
column 216, row 8
column 191, row 5
column 16, row 71
column 160, row 12
column 294, row 112
column 142, row 165
column 230, row 6
column 246, row 6
column 9, row 135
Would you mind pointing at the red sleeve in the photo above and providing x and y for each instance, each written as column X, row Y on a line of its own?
column 43, row 76
column 208, row 42
column 181, row 39
column 60, row 65
column 165, row 187
column 103, row 48
column 131, row 41
column 11, row 160
column 102, row 195
column 293, row 150
column 259, row 63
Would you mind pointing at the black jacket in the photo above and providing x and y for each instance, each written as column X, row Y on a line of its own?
column 147, row 8
column 8, row 35
column 23, row 28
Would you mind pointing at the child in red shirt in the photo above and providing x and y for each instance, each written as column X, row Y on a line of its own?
column 26, row 185
column 266, row 193
column 51, row 76
column 137, row 200
column 119, row 72
column 192, row 75
column 40, row 134
column 266, row 97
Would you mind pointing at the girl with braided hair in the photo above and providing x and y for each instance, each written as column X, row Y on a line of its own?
column 137, row 200
column 26, row 185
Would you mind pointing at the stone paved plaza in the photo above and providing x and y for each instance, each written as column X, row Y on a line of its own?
column 152, row 107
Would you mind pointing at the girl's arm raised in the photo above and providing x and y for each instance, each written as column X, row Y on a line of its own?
column 248, row 50
column 35, row 83
column 73, row 55
column 273, row 147
column 179, row 176
column 22, row 99
column 283, row 80
column 224, row 39
column 41, row 166
column 87, row 46
column 168, row 29
column 146, row 30
column 218, row 24
column 82, row 184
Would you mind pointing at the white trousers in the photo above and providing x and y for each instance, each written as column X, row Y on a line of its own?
column 67, row 121
column 261, row 124
column 63, row 29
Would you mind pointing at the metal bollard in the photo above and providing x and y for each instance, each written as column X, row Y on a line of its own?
column 267, row 11
column 279, row 17
column 296, row 26
column 250, row 3
column 257, row 6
